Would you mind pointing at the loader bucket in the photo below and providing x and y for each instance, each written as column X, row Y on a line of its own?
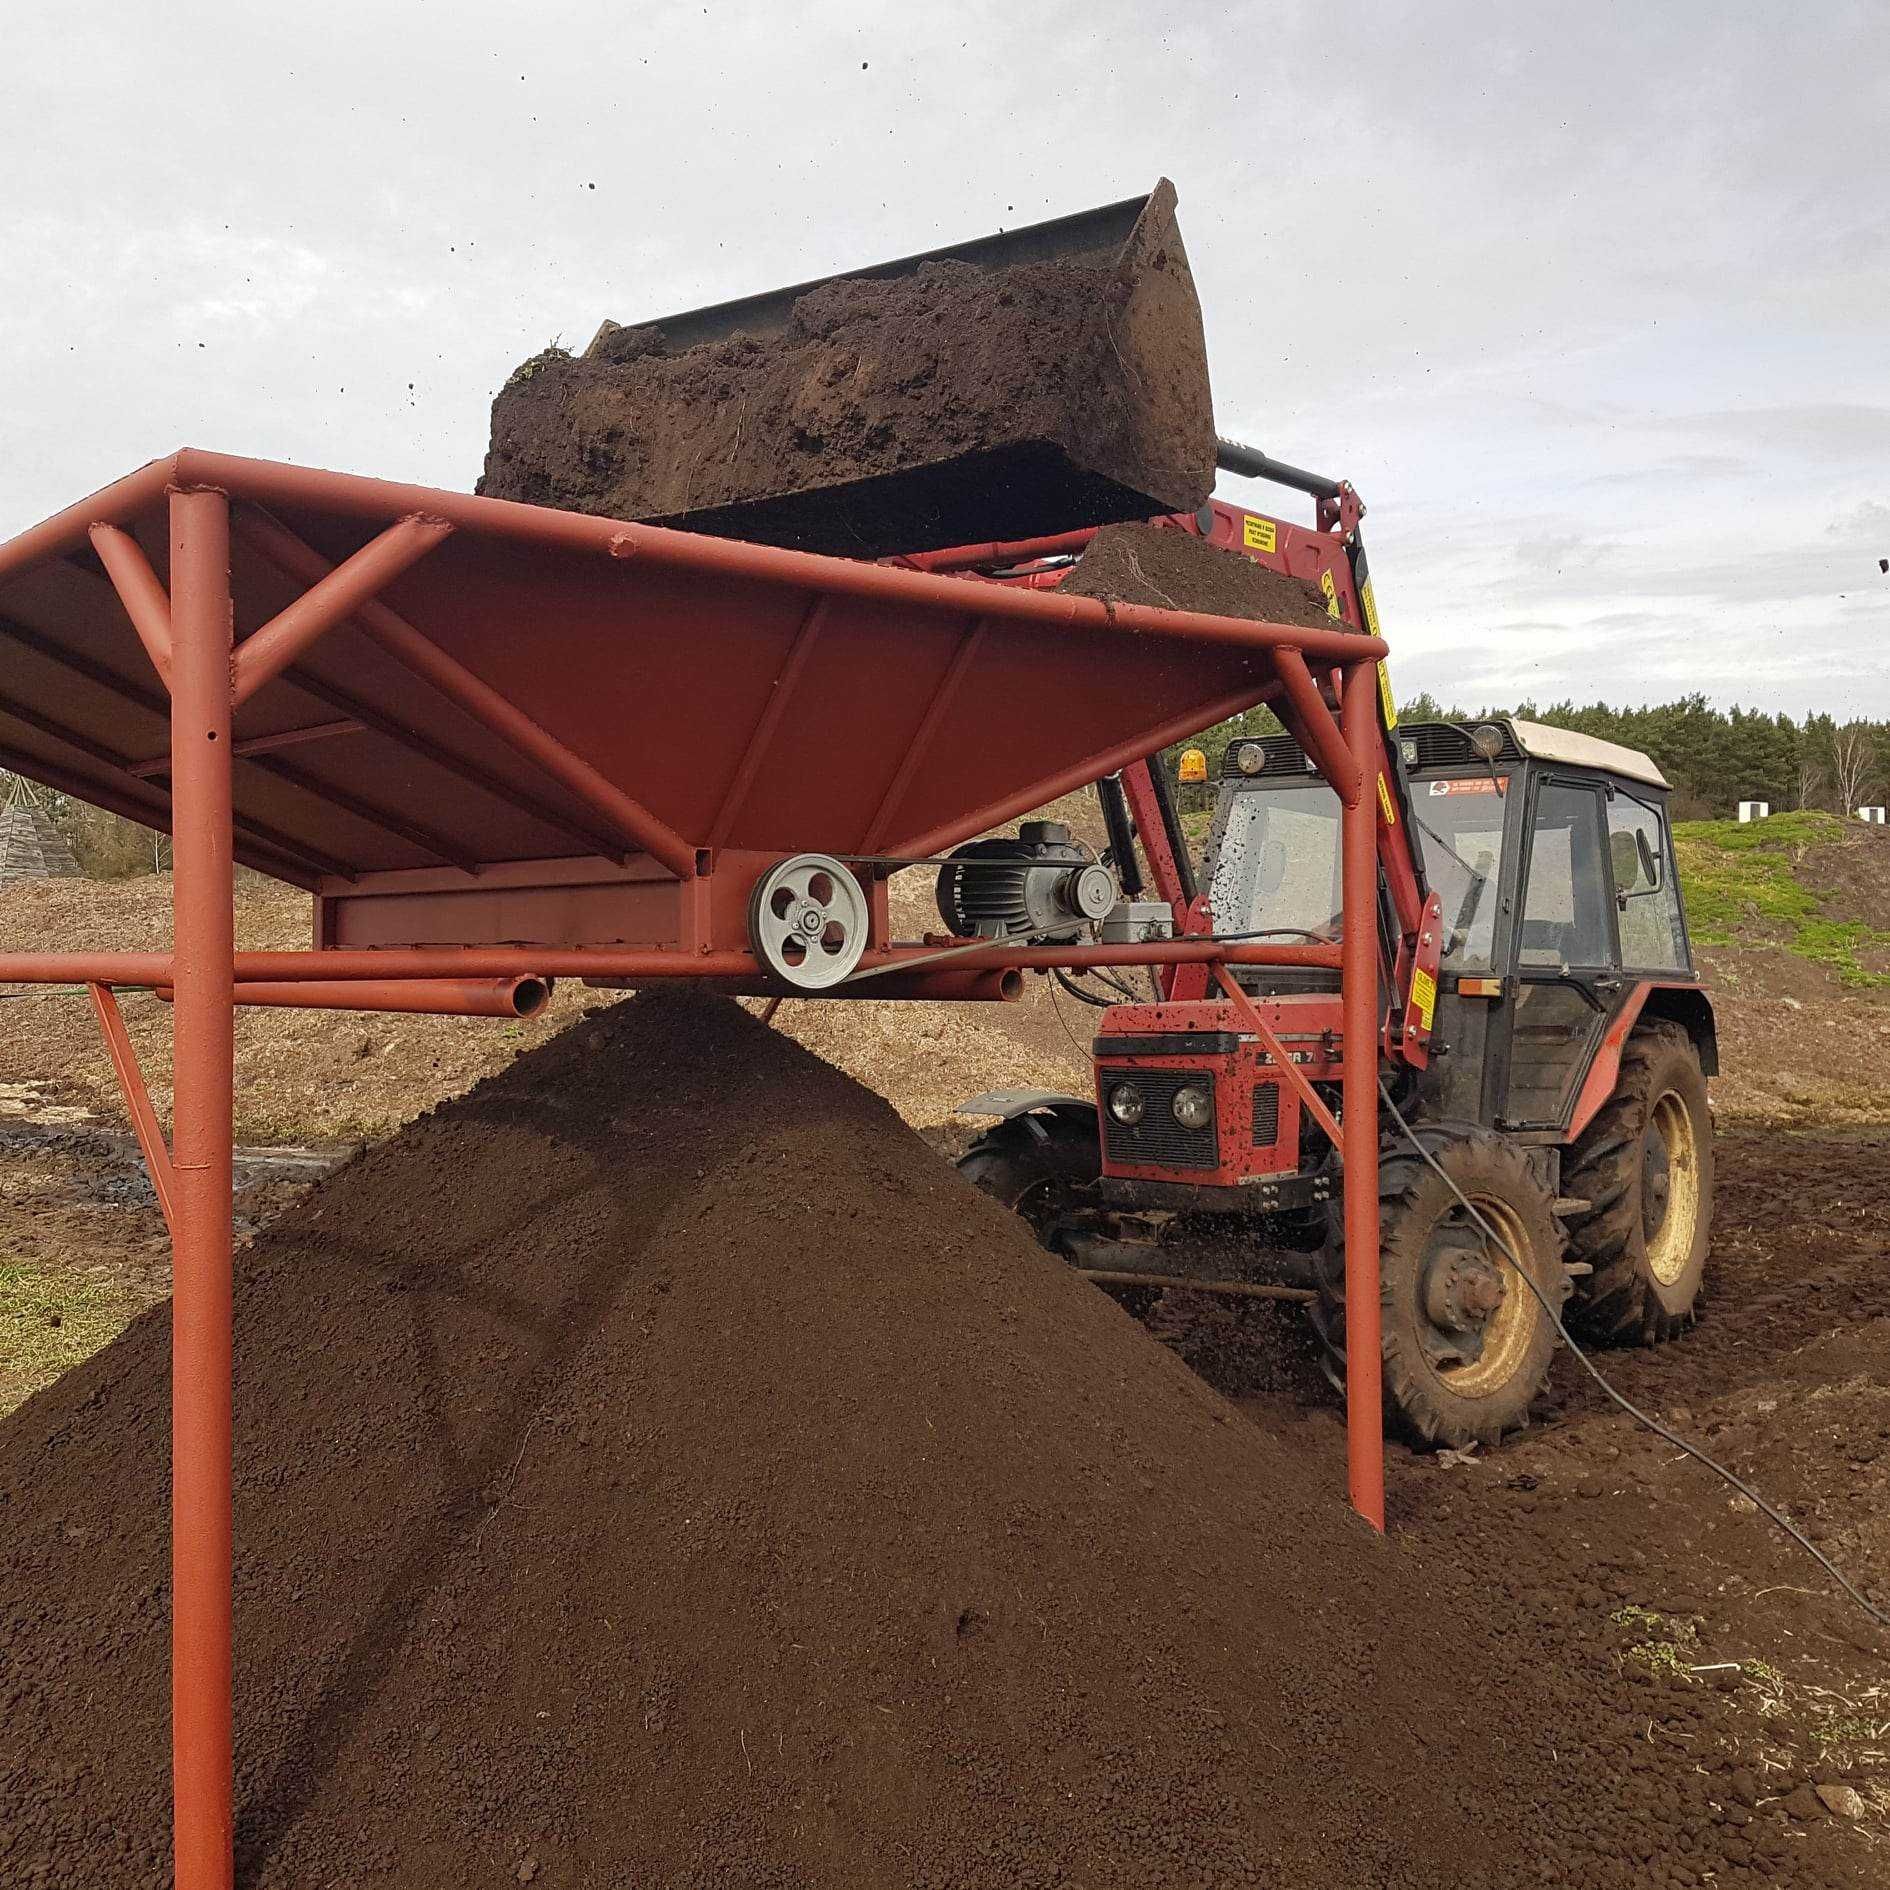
column 1010, row 387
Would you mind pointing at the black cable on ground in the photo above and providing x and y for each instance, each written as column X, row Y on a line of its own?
column 1634, row 1411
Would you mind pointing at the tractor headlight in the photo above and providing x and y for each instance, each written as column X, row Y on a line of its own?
column 1193, row 1107
column 1126, row 1105
column 1250, row 758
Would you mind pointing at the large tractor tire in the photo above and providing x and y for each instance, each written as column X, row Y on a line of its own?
column 1032, row 1164
column 1035, row 1176
column 1645, row 1168
column 1466, row 1346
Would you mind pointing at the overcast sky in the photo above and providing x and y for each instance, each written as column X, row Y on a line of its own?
column 1591, row 302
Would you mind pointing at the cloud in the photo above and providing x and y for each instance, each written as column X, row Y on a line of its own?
column 1604, row 351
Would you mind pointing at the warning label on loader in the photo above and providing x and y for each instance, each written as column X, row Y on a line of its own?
column 1424, row 997
column 1385, row 804
column 1259, row 534
column 1332, row 592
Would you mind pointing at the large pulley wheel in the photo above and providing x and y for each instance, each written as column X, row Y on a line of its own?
column 808, row 921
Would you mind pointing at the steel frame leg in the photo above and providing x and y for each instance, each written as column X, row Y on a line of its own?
column 1358, row 983
column 202, row 1030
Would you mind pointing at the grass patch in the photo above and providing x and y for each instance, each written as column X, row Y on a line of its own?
column 49, row 1322
column 1739, row 878
column 1667, row 1645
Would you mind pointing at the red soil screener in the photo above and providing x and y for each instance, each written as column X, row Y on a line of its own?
column 496, row 742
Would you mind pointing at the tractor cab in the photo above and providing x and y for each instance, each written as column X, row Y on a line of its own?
column 1551, row 854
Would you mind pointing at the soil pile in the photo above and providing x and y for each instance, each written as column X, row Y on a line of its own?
column 656, row 1466
column 1151, row 564
column 953, row 405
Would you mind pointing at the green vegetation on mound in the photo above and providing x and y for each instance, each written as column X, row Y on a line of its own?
column 1743, row 887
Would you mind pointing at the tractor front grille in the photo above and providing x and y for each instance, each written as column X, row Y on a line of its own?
column 1266, row 1115
column 1158, row 1140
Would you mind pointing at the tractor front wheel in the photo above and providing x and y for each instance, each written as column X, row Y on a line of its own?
column 1644, row 1166
column 1035, row 1165
column 1466, row 1345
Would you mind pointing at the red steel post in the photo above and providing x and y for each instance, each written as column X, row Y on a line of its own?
column 202, row 1031
column 1358, row 984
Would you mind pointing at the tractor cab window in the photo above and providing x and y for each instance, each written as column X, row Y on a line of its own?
column 1276, row 862
column 1460, row 829
column 1646, row 896
column 1566, row 913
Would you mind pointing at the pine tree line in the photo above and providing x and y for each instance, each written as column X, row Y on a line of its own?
column 1715, row 758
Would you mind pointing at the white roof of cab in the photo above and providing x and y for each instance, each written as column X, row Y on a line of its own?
column 1542, row 743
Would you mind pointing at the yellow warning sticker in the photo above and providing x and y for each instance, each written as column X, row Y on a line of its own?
column 1331, row 590
column 1385, row 805
column 1369, row 604
column 1385, row 700
column 1424, row 997
column 1259, row 534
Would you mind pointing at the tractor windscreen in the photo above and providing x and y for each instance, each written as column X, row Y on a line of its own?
column 1276, row 865
column 1460, row 827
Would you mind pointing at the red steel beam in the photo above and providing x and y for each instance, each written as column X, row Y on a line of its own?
column 1359, row 1010
column 375, row 501
column 203, row 1059
column 424, row 658
column 428, row 997
column 145, row 600
column 269, row 483
column 262, row 744
column 341, row 592
column 148, row 970
column 144, row 1122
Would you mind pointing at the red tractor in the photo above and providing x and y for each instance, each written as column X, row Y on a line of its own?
column 1544, row 1040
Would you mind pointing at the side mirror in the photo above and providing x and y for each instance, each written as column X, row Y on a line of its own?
column 1636, row 869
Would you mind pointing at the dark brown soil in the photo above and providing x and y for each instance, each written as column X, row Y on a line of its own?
column 659, row 1467
column 951, row 406
column 1152, row 564
column 655, row 1467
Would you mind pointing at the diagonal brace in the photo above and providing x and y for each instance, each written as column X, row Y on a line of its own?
column 145, row 600
column 338, row 594
column 422, row 657
column 1250, row 1011
column 144, row 1122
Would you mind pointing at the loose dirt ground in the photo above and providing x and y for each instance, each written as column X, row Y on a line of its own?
column 1676, row 1616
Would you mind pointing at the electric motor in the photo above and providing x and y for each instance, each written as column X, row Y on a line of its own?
column 1041, row 883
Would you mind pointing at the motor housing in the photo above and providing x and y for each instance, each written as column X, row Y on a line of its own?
column 1040, row 882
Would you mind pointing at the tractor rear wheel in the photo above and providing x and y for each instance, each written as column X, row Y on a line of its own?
column 1645, row 1168
column 1466, row 1345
